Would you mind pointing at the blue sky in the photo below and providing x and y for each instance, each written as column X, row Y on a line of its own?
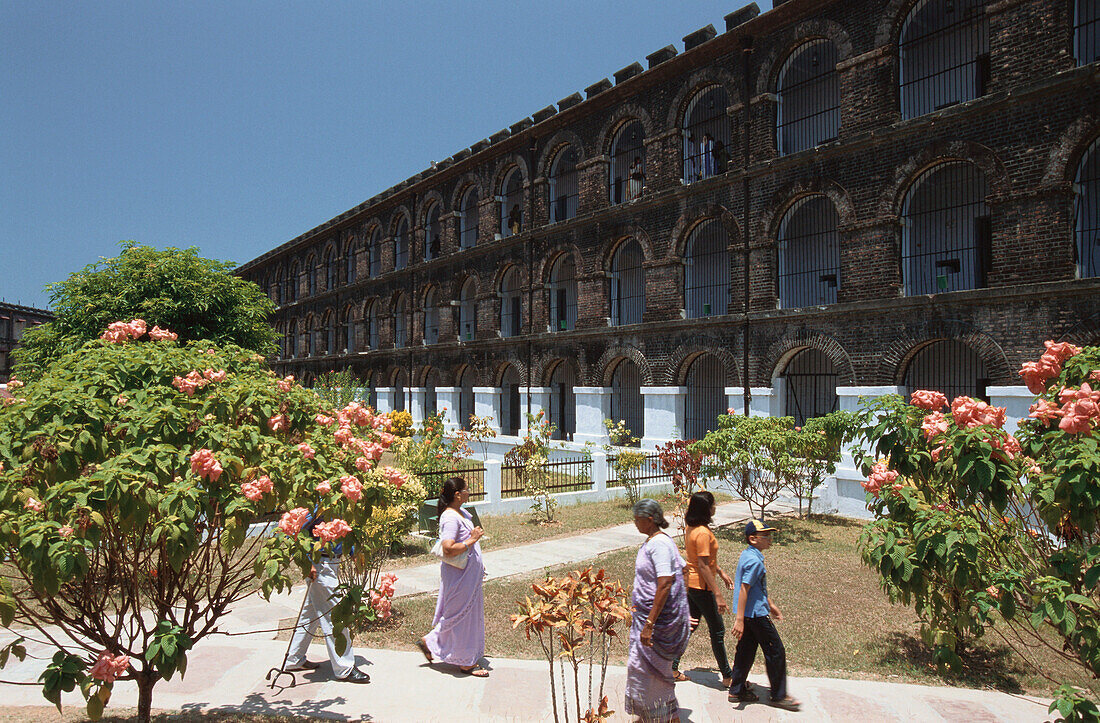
column 235, row 126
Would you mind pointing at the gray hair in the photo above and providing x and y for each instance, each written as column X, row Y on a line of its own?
column 652, row 509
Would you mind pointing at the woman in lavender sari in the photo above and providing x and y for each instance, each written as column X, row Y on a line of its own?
column 661, row 626
column 458, row 637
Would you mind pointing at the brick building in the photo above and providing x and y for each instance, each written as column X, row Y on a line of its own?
column 826, row 199
column 14, row 320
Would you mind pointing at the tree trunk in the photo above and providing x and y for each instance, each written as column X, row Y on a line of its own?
column 145, row 685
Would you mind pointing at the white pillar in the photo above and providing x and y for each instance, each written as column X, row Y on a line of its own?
column 599, row 472
column 847, row 494
column 735, row 399
column 593, row 406
column 417, row 404
column 492, row 480
column 767, row 401
column 446, row 401
column 385, row 399
column 1016, row 400
column 487, row 404
column 540, row 402
column 664, row 414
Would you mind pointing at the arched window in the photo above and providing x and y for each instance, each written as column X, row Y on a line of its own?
column 372, row 390
column 400, row 323
column 331, row 269
column 311, row 276
column 310, row 332
column 346, row 342
column 949, row 367
column 468, row 219
column 1086, row 31
column 564, row 192
column 292, row 339
column 627, row 174
column 808, row 112
column 510, row 409
column 370, row 325
column 467, row 311
column 433, row 232
column 291, row 291
column 944, row 55
column 401, row 244
column 627, row 284
column 510, row 303
column 810, row 386
column 431, row 400
column 400, row 383
column 809, row 254
column 280, row 287
column 563, row 294
column 706, row 395
column 626, row 397
column 350, row 259
column 946, row 234
column 511, row 203
column 374, row 253
column 431, row 316
column 563, row 403
column 1087, row 188
column 707, row 270
column 327, row 341
column 706, row 135
column 465, row 396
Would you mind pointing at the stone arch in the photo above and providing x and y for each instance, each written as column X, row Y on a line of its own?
column 605, row 367
column 696, row 82
column 502, row 270
column 790, row 193
column 894, row 191
column 795, row 340
column 505, row 164
column 893, row 15
column 556, row 143
column 395, row 218
column 627, row 232
column 692, row 217
column 794, row 38
column 421, row 295
column 682, row 357
column 624, row 113
column 547, row 360
column 1084, row 333
column 463, row 185
column 1065, row 156
column 430, row 197
column 896, row 357
column 546, row 263
column 458, row 369
column 394, row 371
column 510, row 360
column 460, row 282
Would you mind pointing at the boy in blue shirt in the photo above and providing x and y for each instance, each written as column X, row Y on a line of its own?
column 753, row 625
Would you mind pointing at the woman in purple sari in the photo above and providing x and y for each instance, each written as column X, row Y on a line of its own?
column 458, row 637
column 661, row 626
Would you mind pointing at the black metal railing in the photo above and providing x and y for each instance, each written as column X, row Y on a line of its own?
column 471, row 471
column 573, row 474
column 649, row 472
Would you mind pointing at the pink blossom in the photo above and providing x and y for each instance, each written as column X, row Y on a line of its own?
column 363, row 464
column 278, row 423
column 731, row 411
column 343, row 434
column 323, row 420
column 351, row 487
column 109, row 667
column 1035, row 470
column 33, row 505
column 394, row 476
column 158, row 334
column 933, row 425
column 65, row 531
column 285, row 383
column 122, row 400
column 941, row 507
column 930, row 400
column 1061, row 350
column 993, row 592
column 190, row 383
column 119, row 331
column 14, row 383
column 1007, row 448
column 1074, row 420
column 205, row 465
column 252, row 491
column 970, row 413
column 1, row 466
column 1044, row 411
column 382, row 606
column 386, row 439
column 306, row 450
column 291, row 522
column 138, row 327
column 1094, row 375
column 215, row 376
column 323, row 487
column 387, row 584
column 331, row 531
column 263, row 483
column 881, row 476
column 936, row 453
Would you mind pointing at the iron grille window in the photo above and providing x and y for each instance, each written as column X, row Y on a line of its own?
column 467, row 311
column 563, row 294
column 1088, row 213
column 707, row 270
column 349, row 261
column 280, row 288
column 374, row 251
column 949, row 367
column 431, row 398
column 627, row 173
column 465, row 397
column 511, row 204
column 706, row 395
column 291, row 292
column 626, row 397
column 431, row 317
column 337, row 338
column 809, row 254
column 627, row 284
column 811, row 386
column 433, row 234
column 510, row 407
column 400, row 327
column 946, row 236
column 1086, row 31
column 401, row 245
column 349, row 331
column 314, row 336
column 468, row 220
column 329, row 338
column 372, row 325
column 808, row 113
column 292, row 339
column 331, row 271
column 399, row 384
column 311, row 276
column 564, row 193
column 510, row 304
column 706, row 135
column 563, row 402
column 944, row 54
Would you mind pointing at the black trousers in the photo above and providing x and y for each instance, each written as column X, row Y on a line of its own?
column 702, row 604
column 760, row 632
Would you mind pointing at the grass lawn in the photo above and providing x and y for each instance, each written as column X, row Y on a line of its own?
column 838, row 622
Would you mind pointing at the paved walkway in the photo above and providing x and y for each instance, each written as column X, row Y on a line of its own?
column 227, row 672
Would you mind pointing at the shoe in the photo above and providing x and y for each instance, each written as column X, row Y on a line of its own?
column 680, row 677
column 356, row 676
column 304, row 665
column 745, row 696
column 787, row 703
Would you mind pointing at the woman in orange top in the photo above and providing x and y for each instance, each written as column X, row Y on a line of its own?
column 701, row 574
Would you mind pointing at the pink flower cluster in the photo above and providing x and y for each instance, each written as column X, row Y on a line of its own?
column 381, row 598
column 109, row 667
column 331, row 531
column 933, row 425
column 285, row 383
column 291, row 522
column 119, row 331
column 323, row 420
column 367, row 452
column 278, row 423
column 158, row 334
column 14, row 383
column 255, row 489
column 324, row 487
column 970, row 413
column 1079, row 413
column 65, row 531
column 33, row 505
column 930, row 400
column 1036, row 374
column 205, row 465
column 194, row 380
column 394, row 476
column 881, row 478
column 351, row 487
column 306, row 450
column 1006, row 448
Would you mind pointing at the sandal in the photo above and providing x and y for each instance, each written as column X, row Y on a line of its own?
column 680, row 677
column 477, row 671
column 787, row 703
column 424, row 649
column 748, row 695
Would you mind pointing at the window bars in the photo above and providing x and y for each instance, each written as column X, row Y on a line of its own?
column 433, row 232
column 946, row 234
column 511, row 203
column 706, row 395
column 626, row 180
column 810, row 386
column 1087, row 223
column 627, row 284
column 563, row 402
column 292, row 339
column 349, row 261
column 510, row 405
column 311, row 277
column 332, row 270
column 431, row 398
column 707, row 270
column 468, row 219
column 350, row 345
column 949, row 367
column 1086, row 31
column 626, row 397
column 401, row 245
column 374, row 251
column 465, row 397
column 808, row 111
column 808, row 254
column 706, row 135
column 563, row 294
column 510, row 304
column 399, row 386
column 291, row 291
column 329, row 331
column 431, row 317
column 372, row 325
column 467, row 311
column 564, row 193
column 944, row 55
column 400, row 324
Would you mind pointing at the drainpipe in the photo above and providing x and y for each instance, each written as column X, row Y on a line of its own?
column 746, row 56
column 407, row 391
column 531, row 159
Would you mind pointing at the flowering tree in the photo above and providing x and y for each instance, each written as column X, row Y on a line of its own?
column 625, row 462
column 752, row 455
column 973, row 523
column 529, row 457
column 129, row 475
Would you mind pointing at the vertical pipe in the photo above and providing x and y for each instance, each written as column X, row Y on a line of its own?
column 746, row 55
column 531, row 151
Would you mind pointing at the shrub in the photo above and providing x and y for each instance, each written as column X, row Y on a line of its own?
column 401, row 423
column 529, row 458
